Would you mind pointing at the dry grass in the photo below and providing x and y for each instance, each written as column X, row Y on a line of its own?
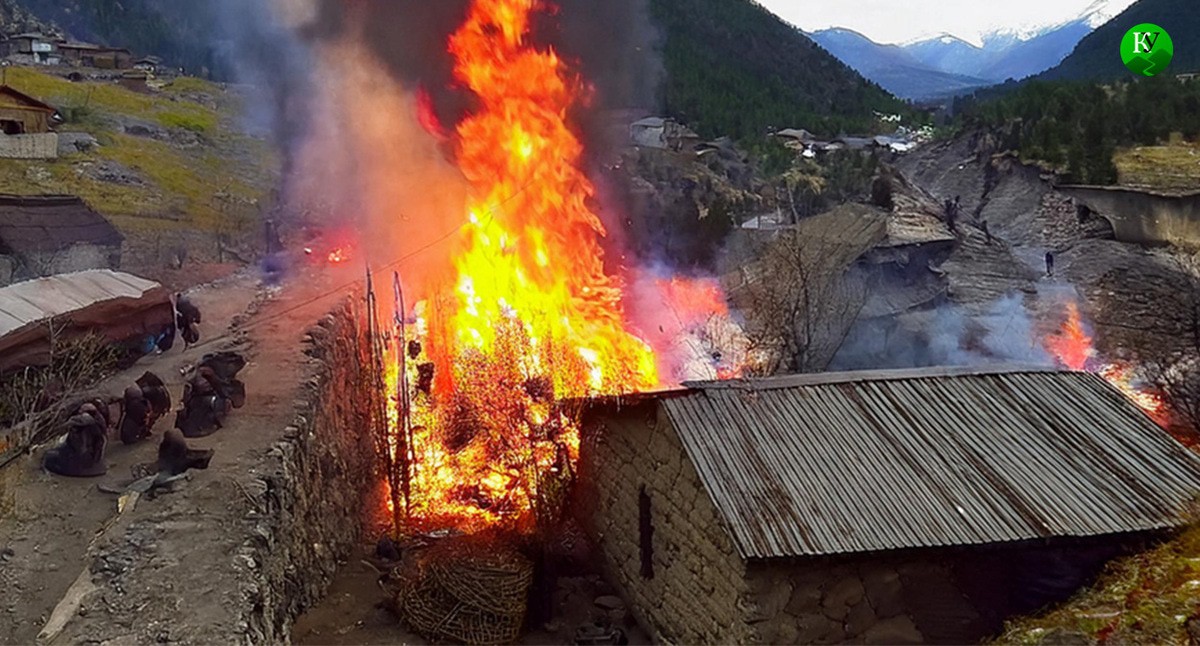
column 215, row 186
column 1171, row 167
column 1143, row 599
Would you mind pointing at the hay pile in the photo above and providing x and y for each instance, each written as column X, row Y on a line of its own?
column 467, row 591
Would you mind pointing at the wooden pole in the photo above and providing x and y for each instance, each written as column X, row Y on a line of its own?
column 402, row 396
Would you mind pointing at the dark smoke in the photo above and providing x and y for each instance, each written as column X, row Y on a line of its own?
column 266, row 57
column 613, row 44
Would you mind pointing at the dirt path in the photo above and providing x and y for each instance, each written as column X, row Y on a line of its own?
column 177, row 549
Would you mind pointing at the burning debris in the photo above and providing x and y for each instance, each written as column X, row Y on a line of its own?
column 1073, row 348
column 530, row 315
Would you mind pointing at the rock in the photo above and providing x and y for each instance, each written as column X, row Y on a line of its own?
column 38, row 174
column 139, row 130
column 860, row 619
column 812, row 629
column 71, row 143
column 387, row 549
column 885, row 592
column 897, row 630
column 841, row 596
column 804, row 599
column 609, row 602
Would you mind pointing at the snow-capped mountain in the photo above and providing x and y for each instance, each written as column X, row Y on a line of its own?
column 946, row 64
column 893, row 67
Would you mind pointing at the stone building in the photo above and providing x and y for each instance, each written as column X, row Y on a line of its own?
column 876, row 507
column 53, row 234
column 31, row 48
column 98, row 56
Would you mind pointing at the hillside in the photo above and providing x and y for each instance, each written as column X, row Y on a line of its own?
column 170, row 169
column 180, row 32
column 734, row 68
column 1096, row 57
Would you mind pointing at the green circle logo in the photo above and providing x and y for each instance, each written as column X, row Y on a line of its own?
column 1147, row 49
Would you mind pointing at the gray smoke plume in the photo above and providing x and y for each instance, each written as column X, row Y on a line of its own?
column 267, row 58
column 948, row 335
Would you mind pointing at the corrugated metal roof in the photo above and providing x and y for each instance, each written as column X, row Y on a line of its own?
column 858, row 462
column 43, row 298
column 51, row 223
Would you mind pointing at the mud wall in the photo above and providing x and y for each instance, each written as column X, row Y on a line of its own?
column 1143, row 217
column 314, row 485
column 700, row 591
column 698, row 581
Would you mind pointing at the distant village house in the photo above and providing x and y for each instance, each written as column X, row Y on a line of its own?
column 32, row 48
column 663, row 133
column 98, row 56
column 148, row 64
column 53, row 234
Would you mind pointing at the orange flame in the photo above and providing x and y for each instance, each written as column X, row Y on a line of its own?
column 1072, row 345
column 532, row 315
column 1074, row 349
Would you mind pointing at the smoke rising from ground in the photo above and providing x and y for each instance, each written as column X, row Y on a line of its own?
column 948, row 335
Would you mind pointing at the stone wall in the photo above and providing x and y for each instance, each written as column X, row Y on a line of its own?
column 935, row 596
column 1143, row 217
column 79, row 257
column 36, row 146
column 314, row 484
column 698, row 585
column 702, row 592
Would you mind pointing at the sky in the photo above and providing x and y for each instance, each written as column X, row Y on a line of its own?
column 898, row 21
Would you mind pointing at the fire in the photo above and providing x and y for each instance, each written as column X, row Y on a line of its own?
column 1074, row 349
column 338, row 256
column 532, row 316
column 1072, row 345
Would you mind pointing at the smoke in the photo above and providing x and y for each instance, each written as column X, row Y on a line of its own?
column 949, row 335
column 367, row 161
column 260, row 46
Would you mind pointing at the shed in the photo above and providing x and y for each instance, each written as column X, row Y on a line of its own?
column 22, row 114
column 914, row 506
column 52, row 234
column 121, row 308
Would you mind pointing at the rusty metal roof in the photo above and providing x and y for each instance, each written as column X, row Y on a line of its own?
column 862, row 462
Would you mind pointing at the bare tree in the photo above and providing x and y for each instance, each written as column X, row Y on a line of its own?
column 1177, row 376
column 1178, row 383
column 799, row 296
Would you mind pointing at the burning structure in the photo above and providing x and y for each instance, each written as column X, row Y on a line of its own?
column 885, row 507
column 527, row 311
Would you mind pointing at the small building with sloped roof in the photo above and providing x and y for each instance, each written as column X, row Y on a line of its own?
column 888, row 507
column 53, row 234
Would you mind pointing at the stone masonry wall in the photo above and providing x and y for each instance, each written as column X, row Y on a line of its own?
column 698, row 588
column 34, row 146
column 316, row 482
column 867, row 602
column 936, row 596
